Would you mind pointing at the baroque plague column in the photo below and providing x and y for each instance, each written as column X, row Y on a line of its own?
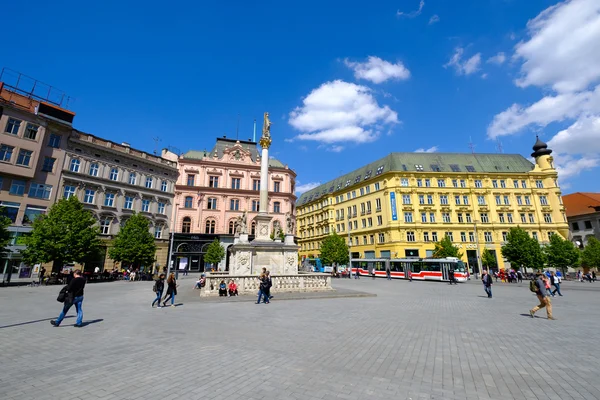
column 281, row 258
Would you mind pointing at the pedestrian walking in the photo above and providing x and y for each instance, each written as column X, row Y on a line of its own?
column 542, row 296
column 373, row 272
column 555, row 279
column 159, row 287
column 388, row 273
column 594, row 276
column 357, row 274
column 74, row 296
column 41, row 275
column 262, row 288
column 520, row 276
column 171, row 290
column 486, row 279
column 269, row 284
column 451, row 276
column 547, row 283
column 409, row 272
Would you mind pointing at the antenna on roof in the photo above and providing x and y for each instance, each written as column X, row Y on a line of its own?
column 156, row 140
column 499, row 146
column 254, row 135
column 471, row 145
column 237, row 128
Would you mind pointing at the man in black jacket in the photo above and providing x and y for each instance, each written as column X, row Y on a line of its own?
column 74, row 297
column 486, row 278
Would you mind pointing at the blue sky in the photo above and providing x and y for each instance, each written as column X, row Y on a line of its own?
column 345, row 82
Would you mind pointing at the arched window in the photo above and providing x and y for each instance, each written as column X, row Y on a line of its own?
column 210, row 226
column 188, row 202
column 253, row 228
column 187, row 225
column 231, row 227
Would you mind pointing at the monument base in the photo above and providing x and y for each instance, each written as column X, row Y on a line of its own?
column 249, row 285
column 250, row 258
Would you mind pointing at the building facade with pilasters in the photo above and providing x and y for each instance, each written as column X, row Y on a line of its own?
column 401, row 205
column 215, row 188
column 113, row 181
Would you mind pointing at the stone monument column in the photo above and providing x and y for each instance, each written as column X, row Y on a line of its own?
column 263, row 219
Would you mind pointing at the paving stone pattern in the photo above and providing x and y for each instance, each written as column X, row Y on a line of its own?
column 412, row 341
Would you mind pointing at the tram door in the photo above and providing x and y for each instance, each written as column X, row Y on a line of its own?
column 445, row 272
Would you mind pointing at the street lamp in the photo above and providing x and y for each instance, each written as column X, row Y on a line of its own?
column 479, row 268
column 172, row 237
column 350, row 252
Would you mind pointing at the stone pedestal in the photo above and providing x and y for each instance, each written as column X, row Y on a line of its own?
column 263, row 228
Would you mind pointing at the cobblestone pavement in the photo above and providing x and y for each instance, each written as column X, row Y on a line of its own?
column 413, row 341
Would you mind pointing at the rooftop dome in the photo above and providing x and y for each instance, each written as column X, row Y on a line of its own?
column 540, row 148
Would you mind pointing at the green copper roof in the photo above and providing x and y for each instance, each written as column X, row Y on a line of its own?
column 222, row 144
column 423, row 162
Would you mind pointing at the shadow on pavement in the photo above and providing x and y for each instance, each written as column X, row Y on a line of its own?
column 94, row 321
column 32, row 322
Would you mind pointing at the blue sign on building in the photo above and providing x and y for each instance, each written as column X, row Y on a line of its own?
column 393, row 203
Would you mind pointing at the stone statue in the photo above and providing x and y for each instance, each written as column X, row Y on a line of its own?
column 289, row 224
column 266, row 132
column 240, row 224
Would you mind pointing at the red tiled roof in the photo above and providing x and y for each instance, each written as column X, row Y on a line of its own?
column 581, row 203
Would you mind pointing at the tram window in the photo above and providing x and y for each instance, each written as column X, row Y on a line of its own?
column 396, row 267
column 416, row 267
column 435, row 267
column 459, row 266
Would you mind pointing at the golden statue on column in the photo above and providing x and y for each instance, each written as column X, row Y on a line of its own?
column 265, row 140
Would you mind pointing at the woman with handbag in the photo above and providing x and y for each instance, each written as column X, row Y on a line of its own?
column 72, row 294
column 171, row 290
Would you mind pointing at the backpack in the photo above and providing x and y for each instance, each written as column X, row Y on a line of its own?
column 154, row 287
column 532, row 286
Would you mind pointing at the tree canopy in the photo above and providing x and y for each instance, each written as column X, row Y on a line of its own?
column 4, row 233
column 444, row 248
column 214, row 252
column 65, row 234
column 561, row 253
column 521, row 250
column 488, row 259
column 590, row 256
column 134, row 244
column 334, row 250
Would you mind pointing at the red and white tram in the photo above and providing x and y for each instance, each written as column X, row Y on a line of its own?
column 423, row 269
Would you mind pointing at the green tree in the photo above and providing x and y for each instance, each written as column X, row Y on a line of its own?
column 4, row 233
column 561, row 253
column 521, row 250
column 590, row 256
column 334, row 250
column 214, row 253
column 134, row 244
column 488, row 259
column 444, row 248
column 65, row 234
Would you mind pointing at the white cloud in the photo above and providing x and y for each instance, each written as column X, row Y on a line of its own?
column 568, row 166
column 497, row 59
column 434, row 18
column 464, row 67
column 336, row 149
column 377, row 70
column 339, row 111
column 306, row 187
column 583, row 137
column 563, row 50
column 432, row 149
column 484, row 76
column 412, row 14
column 545, row 111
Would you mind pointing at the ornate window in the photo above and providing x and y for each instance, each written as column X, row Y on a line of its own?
column 105, row 223
column 114, row 174
column 210, row 226
column 94, row 169
column 74, row 166
column 188, row 202
column 186, row 227
column 231, row 229
column 276, row 207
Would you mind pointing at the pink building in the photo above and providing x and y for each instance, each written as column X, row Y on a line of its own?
column 216, row 187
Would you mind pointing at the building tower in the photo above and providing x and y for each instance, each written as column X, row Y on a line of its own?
column 541, row 153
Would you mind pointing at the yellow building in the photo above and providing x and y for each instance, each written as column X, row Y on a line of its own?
column 400, row 205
